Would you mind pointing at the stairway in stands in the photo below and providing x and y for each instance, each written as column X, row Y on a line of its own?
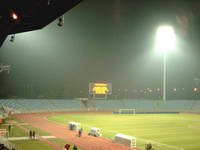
column 88, row 104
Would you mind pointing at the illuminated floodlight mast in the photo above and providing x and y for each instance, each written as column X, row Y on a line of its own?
column 165, row 42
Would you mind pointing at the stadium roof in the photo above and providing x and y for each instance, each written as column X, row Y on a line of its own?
column 22, row 16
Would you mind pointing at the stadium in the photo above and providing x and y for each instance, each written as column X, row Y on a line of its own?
column 170, row 125
column 100, row 75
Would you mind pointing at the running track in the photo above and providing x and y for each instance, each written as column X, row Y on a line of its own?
column 61, row 131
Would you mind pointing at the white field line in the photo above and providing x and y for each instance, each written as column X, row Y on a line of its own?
column 171, row 146
column 54, row 121
column 27, row 138
column 116, row 132
column 146, row 128
column 163, row 134
column 168, row 133
column 192, row 127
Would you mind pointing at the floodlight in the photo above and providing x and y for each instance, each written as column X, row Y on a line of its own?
column 61, row 21
column 12, row 38
column 14, row 16
column 165, row 39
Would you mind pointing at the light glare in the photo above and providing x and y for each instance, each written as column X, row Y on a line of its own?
column 195, row 89
column 14, row 16
column 165, row 39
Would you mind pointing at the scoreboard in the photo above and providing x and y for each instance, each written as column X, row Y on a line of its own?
column 100, row 88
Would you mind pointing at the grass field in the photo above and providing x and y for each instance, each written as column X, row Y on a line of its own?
column 170, row 131
column 32, row 144
column 16, row 132
column 39, row 145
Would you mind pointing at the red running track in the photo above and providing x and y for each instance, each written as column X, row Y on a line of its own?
column 62, row 132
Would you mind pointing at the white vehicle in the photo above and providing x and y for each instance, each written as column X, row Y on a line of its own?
column 95, row 132
column 74, row 125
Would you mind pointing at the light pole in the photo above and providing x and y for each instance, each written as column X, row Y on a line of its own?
column 165, row 42
column 164, row 76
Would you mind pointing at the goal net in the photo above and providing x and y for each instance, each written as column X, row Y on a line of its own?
column 126, row 111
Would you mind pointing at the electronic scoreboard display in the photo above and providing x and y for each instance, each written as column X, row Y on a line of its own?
column 100, row 88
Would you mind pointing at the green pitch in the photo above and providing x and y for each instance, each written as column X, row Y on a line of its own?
column 167, row 131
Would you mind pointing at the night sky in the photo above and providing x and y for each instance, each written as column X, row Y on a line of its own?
column 105, row 40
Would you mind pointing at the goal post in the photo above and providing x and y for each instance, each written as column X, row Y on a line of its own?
column 127, row 111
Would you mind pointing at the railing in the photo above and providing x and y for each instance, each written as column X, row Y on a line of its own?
column 8, row 144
